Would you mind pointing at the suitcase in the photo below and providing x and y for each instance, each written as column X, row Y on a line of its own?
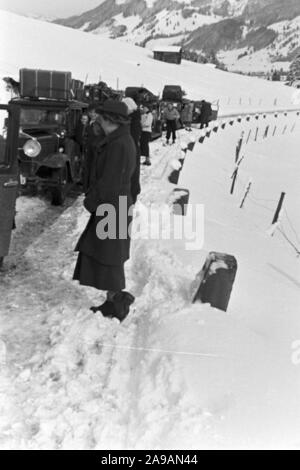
column 45, row 84
column 77, row 89
column 172, row 93
column 216, row 280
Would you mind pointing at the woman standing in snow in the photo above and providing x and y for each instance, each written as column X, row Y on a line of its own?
column 102, row 254
column 147, row 120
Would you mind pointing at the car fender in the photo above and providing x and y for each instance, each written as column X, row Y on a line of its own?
column 56, row 160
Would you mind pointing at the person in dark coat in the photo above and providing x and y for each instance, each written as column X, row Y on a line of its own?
column 102, row 252
column 81, row 133
column 136, row 132
column 95, row 134
column 205, row 115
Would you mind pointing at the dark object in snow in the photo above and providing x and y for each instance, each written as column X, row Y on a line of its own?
column 180, row 204
column 191, row 146
column 45, row 84
column 216, row 280
column 174, row 176
column 117, row 307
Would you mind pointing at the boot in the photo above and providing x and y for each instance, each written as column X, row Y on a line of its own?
column 107, row 309
column 122, row 301
column 147, row 161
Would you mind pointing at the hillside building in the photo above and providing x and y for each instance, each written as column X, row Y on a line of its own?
column 170, row 54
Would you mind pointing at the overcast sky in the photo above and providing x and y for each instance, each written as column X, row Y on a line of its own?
column 53, row 8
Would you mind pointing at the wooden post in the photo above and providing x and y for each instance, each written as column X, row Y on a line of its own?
column 266, row 132
column 275, row 102
column 248, row 136
column 278, row 209
column 117, row 83
column 86, row 78
column 256, row 134
column 246, row 193
column 284, row 129
column 240, row 100
column 274, row 130
column 238, row 147
column 292, row 130
column 234, row 174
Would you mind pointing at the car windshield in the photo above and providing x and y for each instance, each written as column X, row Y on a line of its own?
column 32, row 117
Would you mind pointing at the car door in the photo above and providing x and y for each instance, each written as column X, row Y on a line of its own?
column 9, row 129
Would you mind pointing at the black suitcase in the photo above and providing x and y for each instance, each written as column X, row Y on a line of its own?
column 172, row 93
column 50, row 84
column 216, row 280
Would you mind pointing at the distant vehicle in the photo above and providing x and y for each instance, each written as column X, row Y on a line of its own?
column 9, row 181
column 197, row 111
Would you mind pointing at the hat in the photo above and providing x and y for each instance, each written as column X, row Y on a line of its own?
column 115, row 108
column 130, row 103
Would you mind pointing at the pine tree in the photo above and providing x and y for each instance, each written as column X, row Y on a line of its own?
column 294, row 73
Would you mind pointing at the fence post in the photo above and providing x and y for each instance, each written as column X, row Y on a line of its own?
column 238, row 147
column 234, row 175
column 246, row 193
column 256, row 134
column 274, row 130
column 248, row 136
column 266, row 132
column 284, row 129
column 278, row 209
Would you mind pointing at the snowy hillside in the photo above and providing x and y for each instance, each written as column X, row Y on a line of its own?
column 173, row 375
column 231, row 28
column 86, row 55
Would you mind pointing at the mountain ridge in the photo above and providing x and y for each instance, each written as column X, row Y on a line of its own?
column 198, row 25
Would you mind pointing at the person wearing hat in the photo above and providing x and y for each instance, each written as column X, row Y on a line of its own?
column 134, row 114
column 104, row 247
column 94, row 134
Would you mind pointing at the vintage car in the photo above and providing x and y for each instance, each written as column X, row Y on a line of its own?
column 9, row 182
column 49, row 157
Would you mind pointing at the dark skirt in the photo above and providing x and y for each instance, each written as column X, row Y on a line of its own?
column 91, row 273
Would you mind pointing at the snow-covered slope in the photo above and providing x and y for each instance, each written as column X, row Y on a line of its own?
column 44, row 45
column 202, row 25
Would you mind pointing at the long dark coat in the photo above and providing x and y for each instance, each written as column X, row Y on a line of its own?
column 136, row 131
column 114, row 166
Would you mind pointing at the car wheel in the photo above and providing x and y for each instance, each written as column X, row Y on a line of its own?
column 59, row 192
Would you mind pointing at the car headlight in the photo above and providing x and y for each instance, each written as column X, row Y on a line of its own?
column 32, row 148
